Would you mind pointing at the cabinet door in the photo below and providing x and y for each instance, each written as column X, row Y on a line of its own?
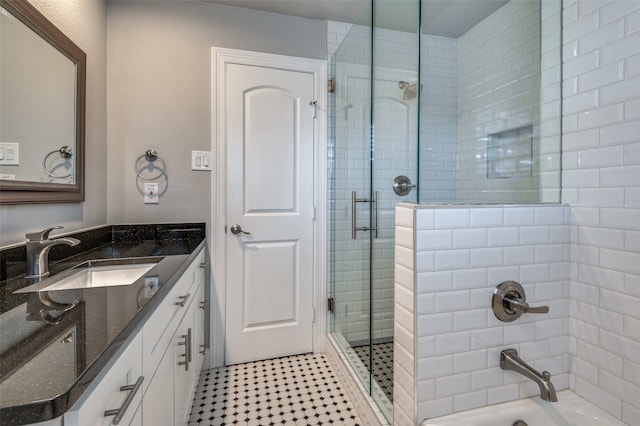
column 157, row 407
column 183, row 367
column 119, row 392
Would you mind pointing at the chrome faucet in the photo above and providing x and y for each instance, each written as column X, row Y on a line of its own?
column 38, row 248
column 509, row 360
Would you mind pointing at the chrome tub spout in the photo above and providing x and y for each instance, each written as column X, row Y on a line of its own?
column 509, row 360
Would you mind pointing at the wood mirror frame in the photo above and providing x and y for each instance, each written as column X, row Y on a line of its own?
column 22, row 192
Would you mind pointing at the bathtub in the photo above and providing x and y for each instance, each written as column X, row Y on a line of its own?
column 570, row 410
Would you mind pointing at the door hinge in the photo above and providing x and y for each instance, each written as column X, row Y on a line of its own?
column 314, row 212
column 313, row 314
column 330, row 304
column 314, row 105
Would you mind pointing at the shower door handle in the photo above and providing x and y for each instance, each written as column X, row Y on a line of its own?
column 354, row 202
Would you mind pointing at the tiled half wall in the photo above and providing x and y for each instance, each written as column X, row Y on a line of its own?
column 448, row 261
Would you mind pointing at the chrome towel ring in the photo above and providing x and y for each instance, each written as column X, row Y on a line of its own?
column 65, row 152
column 151, row 156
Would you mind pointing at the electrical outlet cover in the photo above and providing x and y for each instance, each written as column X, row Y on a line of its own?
column 151, row 193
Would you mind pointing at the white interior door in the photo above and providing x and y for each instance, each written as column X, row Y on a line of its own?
column 269, row 194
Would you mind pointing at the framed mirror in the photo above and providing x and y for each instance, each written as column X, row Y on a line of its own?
column 42, row 109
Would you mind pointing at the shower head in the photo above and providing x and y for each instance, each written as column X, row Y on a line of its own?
column 410, row 90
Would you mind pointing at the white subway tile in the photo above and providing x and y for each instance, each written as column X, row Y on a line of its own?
column 550, row 253
column 601, row 197
column 432, row 325
column 597, row 396
column 470, row 400
column 470, row 320
column 599, row 357
column 435, row 408
column 486, row 217
column 404, row 217
column 453, row 343
column 469, row 278
column 404, row 237
column 404, row 257
column 620, row 49
column 484, row 257
column 425, row 218
column 425, row 261
column 519, row 333
column 453, row 385
column 520, row 255
column 620, row 260
column 488, row 378
column 581, row 101
column 498, row 275
column 619, row 92
column 452, row 259
column 630, row 413
column 503, row 393
column 620, row 218
column 432, row 282
column 469, row 238
column 547, row 291
column 452, row 218
column 547, row 329
column 426, row 347
column 601, row 157
column 434, row 240
column 588, row 178
column 426, row 390
column 433, row 367
column 620, row 133
column 479, row 297
column 600, row 117
column 534, row 235
column 579, row 27
column 620, row 176
column 426, row 303
column 580, row 140
column 559, row 234
column 504, row 236
column 515, row 216
column 453, row 301
column 601, row 37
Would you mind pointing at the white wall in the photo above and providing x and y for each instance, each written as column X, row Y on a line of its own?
column 84, row 21
column 601, row 181
column 160, row 93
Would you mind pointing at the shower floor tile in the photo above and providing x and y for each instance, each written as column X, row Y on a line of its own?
column 382, row 364
column 293, row 390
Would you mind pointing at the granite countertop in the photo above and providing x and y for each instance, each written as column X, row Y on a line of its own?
column 54, row 343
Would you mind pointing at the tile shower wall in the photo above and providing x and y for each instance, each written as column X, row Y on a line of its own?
column 498, row 75
column 601, row 181
column 448, row 341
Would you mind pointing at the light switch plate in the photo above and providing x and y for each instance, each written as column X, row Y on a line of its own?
column 201, row 160
column 9, row 154
column 151, row 193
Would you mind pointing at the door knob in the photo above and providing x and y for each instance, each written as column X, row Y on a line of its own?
column 236, row 229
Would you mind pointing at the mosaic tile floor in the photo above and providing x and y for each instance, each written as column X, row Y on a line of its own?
column 382, row 364
column 294, row 390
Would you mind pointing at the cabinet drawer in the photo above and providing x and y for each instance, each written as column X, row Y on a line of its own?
column 120, row 391
column 161, row 326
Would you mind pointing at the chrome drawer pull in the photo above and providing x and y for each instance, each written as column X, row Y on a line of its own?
column 119, row 412
column 183, row 300
column 187, row 350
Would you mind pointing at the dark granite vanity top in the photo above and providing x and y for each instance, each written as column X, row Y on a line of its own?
column 54, row 343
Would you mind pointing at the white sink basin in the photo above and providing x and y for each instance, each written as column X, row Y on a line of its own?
column 102, row 276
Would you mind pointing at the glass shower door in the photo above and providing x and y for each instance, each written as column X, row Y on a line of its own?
column 375, row 142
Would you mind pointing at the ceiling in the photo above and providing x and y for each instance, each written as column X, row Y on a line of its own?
column 450, row 18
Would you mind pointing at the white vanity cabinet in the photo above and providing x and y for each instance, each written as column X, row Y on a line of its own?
column 174, row 350
column 164, row 359
column 119, row 393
